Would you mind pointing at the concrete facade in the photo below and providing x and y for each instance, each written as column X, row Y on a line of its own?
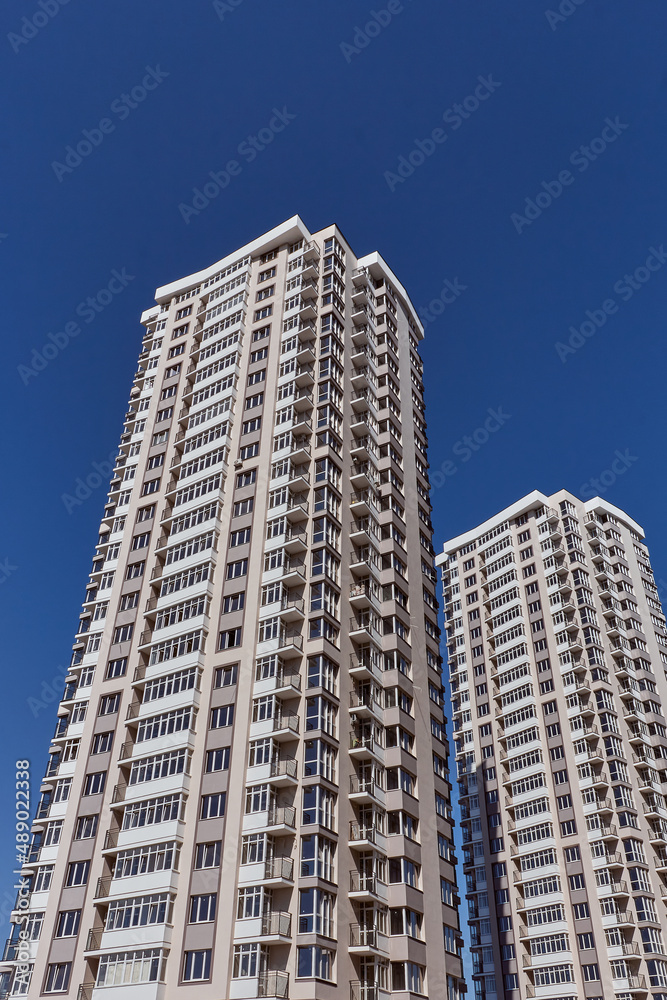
column 248, row 791
column 558, row 663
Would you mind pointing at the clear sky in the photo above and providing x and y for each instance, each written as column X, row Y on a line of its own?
column 507, row 159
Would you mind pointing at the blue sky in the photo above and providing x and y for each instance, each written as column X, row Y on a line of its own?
column 508, row 162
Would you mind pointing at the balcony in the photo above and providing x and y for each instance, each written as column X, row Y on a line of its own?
column 365, row 791
column 311, row 251
column 273, row 985
column 303, row 400
column 296, row 540
column 364, row 531
column 304, row 376
column 365, row 991
column 364, row 595
column 365, row 706
column 277, row 926
column 279, row 869
column 284, row 725
column 285, row 681
column 363, row 503
column 364, row 627
column 284, row 771
column 367, row 940
column 281, row 819
column 363, row 376
column 366, row 888
column 292, row 572
column 363, row 666
column 290, row 643
column 364, row 836
column 297, row 508
column 658, row 833
column 299, row 448
column 299, row 478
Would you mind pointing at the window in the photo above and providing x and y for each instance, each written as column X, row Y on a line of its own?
column 43, row 878
column 116, row 668
column 230, row 638
column 314, row 963
column 94, row 783
column 68, row 923
column 202, row 908
column 102, row 743
column 213, row 806
column 237, row 569
column 222, row 716
column 86, row 827
column 129, row 601
column 208, row 855
column 240, row 537
column 217, row 760
column 77, row 873
column 197, row 966
column 226, row 676
column 57, row 977
column 109, row 704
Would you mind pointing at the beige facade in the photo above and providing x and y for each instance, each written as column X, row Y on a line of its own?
column 558, row 664
column 248, row 792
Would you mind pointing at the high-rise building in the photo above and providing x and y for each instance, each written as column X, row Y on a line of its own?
column 558, row 658
column 248, row 790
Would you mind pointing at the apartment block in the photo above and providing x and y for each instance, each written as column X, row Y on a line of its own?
column 247, row 793
column 558, row 661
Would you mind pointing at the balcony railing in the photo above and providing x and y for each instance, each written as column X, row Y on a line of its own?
column 360, row 882
column 273, row 984
column 284, row 766
column 363, row 937
column 363, row 991
column 277, row 922
column 369, row 786
column 282, row 816
column 363, row 831
column 286, row 720
column 279, row 867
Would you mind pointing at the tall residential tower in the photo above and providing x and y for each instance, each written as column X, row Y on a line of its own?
column 248, row 789
column 558, row 658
